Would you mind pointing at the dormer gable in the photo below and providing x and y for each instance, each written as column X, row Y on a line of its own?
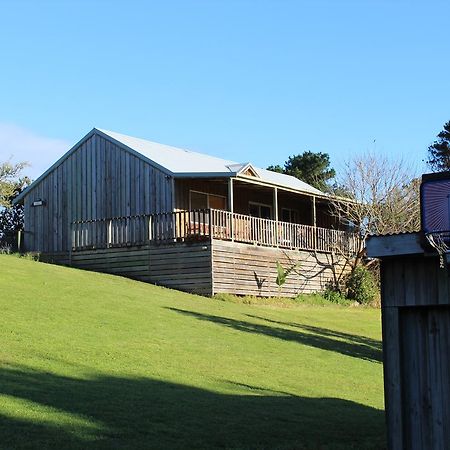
column 245, row 169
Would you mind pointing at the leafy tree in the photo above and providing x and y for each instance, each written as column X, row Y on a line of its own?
column 276, row 168
column 439, row 151
column 11, row 217
column 312, row 168
column 9, row 176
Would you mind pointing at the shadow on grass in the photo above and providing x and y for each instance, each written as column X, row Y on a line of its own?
column 355, row 346
column 142, row 413
column 372, row 346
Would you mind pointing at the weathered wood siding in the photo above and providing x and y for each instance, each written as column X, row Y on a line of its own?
column 414, row 281
column 183, row 266
column 251, row 270
column 98, row 180
column 416, row 348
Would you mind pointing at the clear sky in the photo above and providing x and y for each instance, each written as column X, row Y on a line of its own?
column 244, row 80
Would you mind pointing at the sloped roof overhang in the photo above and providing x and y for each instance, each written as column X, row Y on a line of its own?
column 236, row 171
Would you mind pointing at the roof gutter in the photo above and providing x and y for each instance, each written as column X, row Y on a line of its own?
column 204, row 174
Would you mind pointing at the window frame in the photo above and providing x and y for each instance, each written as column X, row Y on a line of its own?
column 208, row 194
column 259, row 206
column 293, row 214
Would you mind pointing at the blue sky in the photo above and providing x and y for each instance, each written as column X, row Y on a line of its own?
column 244, row 80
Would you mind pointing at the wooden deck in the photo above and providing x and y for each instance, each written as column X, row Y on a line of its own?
column 207, row 224
column 211, row 251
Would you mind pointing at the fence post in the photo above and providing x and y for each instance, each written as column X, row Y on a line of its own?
column 19, row 241
column 109, row 233
column 149, row 234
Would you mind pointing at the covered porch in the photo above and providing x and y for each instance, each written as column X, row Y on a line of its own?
column 249, row 197
column 207, row 224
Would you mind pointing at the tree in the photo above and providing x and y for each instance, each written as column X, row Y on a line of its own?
column 276, row 168
column 382, row 198
column 312, row 168
column 439, row 151
column 9, row 176
column 11, row 217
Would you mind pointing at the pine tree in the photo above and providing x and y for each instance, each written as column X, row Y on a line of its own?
column 439, row 151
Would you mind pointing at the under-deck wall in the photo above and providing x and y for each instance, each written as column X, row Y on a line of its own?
column 209, row 267
column 183, row 266
column 252, row 270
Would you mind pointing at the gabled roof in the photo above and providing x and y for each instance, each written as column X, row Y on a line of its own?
column 245, row 169
column 183, row 163
column 186, row 163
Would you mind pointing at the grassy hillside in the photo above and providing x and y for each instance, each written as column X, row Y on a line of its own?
column 101, row 362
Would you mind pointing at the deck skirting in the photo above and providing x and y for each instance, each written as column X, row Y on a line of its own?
column 209, row 267
column 252, row 270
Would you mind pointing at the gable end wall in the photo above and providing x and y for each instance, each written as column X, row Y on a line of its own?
column 98, row 180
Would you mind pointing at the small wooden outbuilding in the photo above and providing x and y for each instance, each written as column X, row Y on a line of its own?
column 416, row 342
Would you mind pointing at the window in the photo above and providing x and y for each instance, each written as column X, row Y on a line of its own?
column 288, row 215
column 202, row 200
column 198, row 200
column 217, row 202
column 259, row 210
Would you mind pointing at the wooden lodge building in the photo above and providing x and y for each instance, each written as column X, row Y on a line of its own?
column 177, row 218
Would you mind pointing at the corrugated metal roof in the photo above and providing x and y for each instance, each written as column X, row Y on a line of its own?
column 183, row 162
column 177, row 160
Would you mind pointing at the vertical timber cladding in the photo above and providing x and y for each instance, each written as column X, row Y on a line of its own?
column 183, row 266
column 99, row 179
column 252, row 270
column 416, row 349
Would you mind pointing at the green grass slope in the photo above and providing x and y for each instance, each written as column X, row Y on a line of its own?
column 91, row 361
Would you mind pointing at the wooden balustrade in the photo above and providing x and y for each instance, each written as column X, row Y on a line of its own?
column 282, row 234
column 206, row 224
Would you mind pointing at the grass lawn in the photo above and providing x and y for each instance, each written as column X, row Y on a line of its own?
column 92, row 361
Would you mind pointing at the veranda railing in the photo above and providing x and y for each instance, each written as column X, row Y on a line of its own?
column 206, row 224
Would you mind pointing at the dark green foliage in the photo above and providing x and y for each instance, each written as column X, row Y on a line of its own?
column 283, row 273
column 9, row 178
column 361, row 286
column 11, row 216
column 334, row 296
column 276, row 168
column 439, row 151
column 312, row 168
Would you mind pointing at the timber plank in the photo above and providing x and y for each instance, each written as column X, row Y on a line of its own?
column 392, row 377
column 109, row 264
column 93, row 256
column 238, row 268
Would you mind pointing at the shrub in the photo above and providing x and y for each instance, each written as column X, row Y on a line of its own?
column 334, row 296
column 5, row 249
column 361, row 286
